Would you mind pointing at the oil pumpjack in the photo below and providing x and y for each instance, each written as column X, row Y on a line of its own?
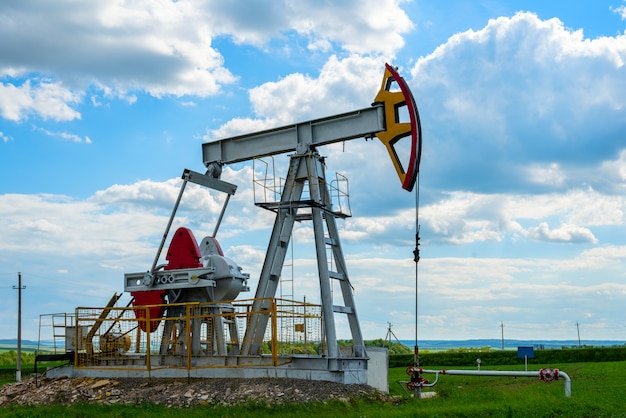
column 191, row 300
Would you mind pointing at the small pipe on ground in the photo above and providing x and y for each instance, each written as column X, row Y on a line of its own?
column 546, row 375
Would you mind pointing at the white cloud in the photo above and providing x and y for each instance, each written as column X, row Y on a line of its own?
column 470, row 293
column 368, row 26
column 5, row 138
column 606, row 258
column 360, row 26
column 526, row 91
column 465, row 217
column 240, row 126
column 48, row 100
column 117, row 230
column 577, row 206
column 615, row 169
column 164, row 47
column 157, row 196
column 620, row 10
column 47, row 224
column 564, row 233
column 342, row 85
column 39, row 225
column 161, row 47
column 550, row 175
column 65, row 136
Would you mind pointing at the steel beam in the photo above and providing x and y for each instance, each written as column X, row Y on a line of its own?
column 356, row 124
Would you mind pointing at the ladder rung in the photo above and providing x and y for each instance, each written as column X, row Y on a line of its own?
column 330, row 241
column 342, row 309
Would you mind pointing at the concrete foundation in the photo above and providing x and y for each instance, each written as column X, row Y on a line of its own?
column 343, row 370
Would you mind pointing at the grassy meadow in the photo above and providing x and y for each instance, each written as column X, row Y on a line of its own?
column 598, row 390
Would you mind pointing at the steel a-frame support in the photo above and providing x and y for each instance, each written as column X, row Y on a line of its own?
column 306, row 169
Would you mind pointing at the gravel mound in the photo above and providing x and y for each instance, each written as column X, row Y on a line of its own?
column 180, row 392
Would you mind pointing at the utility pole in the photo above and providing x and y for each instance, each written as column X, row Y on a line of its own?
column 18, row 371
column 502, row 327
column 578, row 331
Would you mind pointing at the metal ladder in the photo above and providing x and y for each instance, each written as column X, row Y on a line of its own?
column 306, row 169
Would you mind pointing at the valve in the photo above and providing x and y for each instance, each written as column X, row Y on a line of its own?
column 548, row 375
column 413, row 370
column 417, row 381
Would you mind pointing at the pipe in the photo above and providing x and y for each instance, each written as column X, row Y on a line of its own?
column 568, row 383
column 540, row 374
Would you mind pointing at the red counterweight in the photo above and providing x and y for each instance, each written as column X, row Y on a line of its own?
column 183, row 253
column 149, row 298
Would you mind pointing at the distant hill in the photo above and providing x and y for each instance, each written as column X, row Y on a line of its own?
column 12, row 344
column 508, row 344
column 428, row 344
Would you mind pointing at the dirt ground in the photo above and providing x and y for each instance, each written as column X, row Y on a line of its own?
column 179, row 392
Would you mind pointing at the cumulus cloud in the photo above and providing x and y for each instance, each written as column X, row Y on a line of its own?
column 550, row 174
column 50, row 224
column 368, row 26
column 118, row 229
column 163, row 47
column 521, row 104
column 521, row 91
column 5, row 138
column 48, row 100
column 384, row 23
column 615, row 169
column 153, row 195
column 620, row 10
column 464, row 217
column 239, row 126
column 471, row 292
column 468, row 217
column 564, row 233
column 65, row 136
column 344, row 84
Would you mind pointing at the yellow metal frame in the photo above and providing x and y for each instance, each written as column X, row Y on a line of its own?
column 396, row 130
column 115, row 339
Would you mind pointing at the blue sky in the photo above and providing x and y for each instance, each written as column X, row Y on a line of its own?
column 523, row 110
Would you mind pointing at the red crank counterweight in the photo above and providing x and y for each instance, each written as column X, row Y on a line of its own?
column 183, row 253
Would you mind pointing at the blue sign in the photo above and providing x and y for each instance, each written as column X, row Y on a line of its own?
column 525, row 352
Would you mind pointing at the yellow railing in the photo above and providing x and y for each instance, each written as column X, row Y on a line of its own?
column 194, row 335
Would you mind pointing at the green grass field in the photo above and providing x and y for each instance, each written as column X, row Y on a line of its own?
column 598, row 390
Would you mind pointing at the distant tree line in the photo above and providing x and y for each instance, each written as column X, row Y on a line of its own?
column 468, row 357
column 8, row 358
column 394, row 348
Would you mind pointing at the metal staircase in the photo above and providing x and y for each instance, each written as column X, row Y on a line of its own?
column 306, row 173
